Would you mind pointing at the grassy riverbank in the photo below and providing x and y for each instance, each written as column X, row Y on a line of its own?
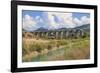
column 72, row 49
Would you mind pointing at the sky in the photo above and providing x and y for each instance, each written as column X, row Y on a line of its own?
column 32, row 20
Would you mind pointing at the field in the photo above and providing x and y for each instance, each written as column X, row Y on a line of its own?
column 53, row 49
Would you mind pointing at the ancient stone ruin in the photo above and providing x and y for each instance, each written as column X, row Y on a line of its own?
column 53, row 34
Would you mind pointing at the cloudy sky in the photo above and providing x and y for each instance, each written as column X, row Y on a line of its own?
column 33, row 20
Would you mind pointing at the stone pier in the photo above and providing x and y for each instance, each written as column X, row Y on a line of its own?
column 64, row 34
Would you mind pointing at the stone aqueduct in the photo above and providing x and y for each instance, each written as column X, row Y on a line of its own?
column 59, row 34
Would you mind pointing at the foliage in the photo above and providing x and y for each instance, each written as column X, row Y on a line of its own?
column 72, row 48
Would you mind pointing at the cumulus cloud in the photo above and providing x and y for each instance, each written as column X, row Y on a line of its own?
column 64, row 20
column 60, row 20
column 29, row 23
column 52, row 20
column 83, row 20
column 77, row 22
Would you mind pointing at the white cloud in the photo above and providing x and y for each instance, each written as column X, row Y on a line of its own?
column 29, row 23
column 52, row 20
column 77, row 22
column 65, row 20
column 85, row 20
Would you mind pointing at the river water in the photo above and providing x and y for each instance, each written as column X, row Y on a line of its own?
column 46, row 57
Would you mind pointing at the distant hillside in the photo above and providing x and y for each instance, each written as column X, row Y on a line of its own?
column 41, row 29
column 24, row 30
column 86, row 26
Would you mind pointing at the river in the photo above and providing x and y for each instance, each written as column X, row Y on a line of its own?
column 49, row 55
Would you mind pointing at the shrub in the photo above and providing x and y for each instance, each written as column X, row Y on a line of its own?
column 38, row 47
column 24, row 52
column 49, row 47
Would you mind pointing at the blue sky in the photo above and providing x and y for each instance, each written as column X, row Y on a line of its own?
column 32, row 13
column 33, row 20
column 39, row 13
column 79, row 15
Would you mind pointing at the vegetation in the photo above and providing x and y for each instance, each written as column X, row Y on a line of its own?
column 71, row 49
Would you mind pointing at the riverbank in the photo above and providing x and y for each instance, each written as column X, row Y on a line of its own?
column 51, row 50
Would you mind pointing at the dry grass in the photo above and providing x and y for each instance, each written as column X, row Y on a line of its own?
column 73, row 49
